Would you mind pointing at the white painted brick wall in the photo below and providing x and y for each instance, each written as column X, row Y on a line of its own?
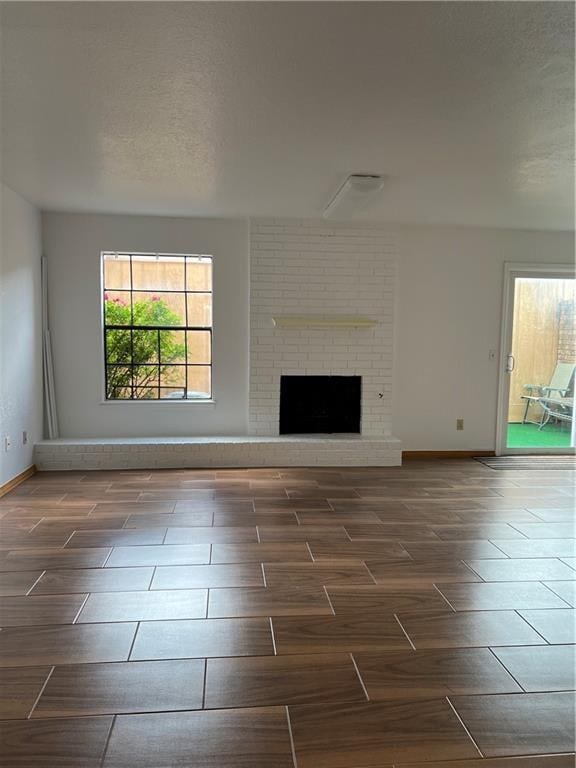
column 158, row 453
column 304, row 267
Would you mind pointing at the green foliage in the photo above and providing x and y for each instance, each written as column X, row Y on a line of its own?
column 144, row 345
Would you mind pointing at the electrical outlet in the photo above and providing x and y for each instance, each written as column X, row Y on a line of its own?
column 459, row 425
column 24, row 437
column 7, row 443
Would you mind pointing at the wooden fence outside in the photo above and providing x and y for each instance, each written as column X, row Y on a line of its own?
column 195, row 309
column 541, row 319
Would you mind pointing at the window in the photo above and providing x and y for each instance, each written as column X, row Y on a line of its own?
column 157, row 311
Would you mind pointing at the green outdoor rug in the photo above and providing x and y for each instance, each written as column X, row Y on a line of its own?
column 529, row 436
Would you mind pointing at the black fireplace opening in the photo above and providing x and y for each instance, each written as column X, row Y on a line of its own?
column 320, row 404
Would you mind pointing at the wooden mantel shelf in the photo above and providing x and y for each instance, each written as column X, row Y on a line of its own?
column 323, row 321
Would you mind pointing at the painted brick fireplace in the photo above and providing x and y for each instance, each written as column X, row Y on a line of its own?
column 314, row 268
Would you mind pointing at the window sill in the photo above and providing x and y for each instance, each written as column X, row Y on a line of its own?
column 158, row 402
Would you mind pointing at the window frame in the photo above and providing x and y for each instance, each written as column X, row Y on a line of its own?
column 209, row 400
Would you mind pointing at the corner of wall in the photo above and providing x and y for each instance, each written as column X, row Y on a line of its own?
column 20, row 333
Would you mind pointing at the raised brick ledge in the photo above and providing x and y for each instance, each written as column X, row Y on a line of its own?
column 216, row 451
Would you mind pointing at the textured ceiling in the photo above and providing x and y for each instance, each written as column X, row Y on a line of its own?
column 241, row 109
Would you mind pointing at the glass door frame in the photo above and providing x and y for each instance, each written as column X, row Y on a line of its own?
column 512, row 271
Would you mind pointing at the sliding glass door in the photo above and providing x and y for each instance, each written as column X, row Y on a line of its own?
column 536, row 410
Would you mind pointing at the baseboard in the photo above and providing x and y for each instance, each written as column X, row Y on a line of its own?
column 409, row 455
column 15, row 482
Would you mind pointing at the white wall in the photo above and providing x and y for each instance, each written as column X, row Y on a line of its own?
column 449, row 315
column 73, row 243
column 20, row 332
column 448, row 318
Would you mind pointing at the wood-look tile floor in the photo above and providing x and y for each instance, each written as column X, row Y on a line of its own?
column 289, row 618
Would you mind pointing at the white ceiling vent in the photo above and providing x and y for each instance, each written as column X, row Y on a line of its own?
column 354, row 195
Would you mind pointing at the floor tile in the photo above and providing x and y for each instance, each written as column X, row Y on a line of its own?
column 199, row 576
column 105, row 538
column 71, row 743
column 17, row 526
column 497, row 596
column 467, row 532
column 114, row 497
column 93, row 580
column 50, row 559
column 40, row 609
column 269, row 533
column 72, row 644
column 556, row 626
column 553, row 515
column 452, row 550
column 485, row 516
column 421, row 572
column 433, row 515
column 260, row 553
column 519, row 724
column 547, row 530
column 55, row 537
column 262, row 504
column 432, row 674
column 284, row 483
column 331, row 634
column 564, row 589
column 176, row 554
column 178, row 494
column 198, row 535
column 538, row 547
column 163, row 519
column 358, row 550
column 135, row 686
column 255, row 738
column 522, row 570
column 386, row 482
column 521, row 502
column 331, row 517
column 549, row 761
column 273, row 601
column 19, row 689
column 348, row 735
column 34, row 505
column 109, row 522
column 203, row 638
column 214, row 483
column 307, row 574
column 17, row 582
column 377, row 599
column 541, row 668
column 34, row 514
column 269, row 680
column 235, row 519
column 472, row 629
column 335, row 492
column 389, row 531
column 373, row 493
column 145, row 606
column 214, row 506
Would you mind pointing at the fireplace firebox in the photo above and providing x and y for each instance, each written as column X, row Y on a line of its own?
column 320, row 404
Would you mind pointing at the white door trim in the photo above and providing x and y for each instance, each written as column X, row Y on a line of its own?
column 513, row 270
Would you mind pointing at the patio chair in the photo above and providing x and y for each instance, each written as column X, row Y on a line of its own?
column 556, row 407
column 559, row 387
